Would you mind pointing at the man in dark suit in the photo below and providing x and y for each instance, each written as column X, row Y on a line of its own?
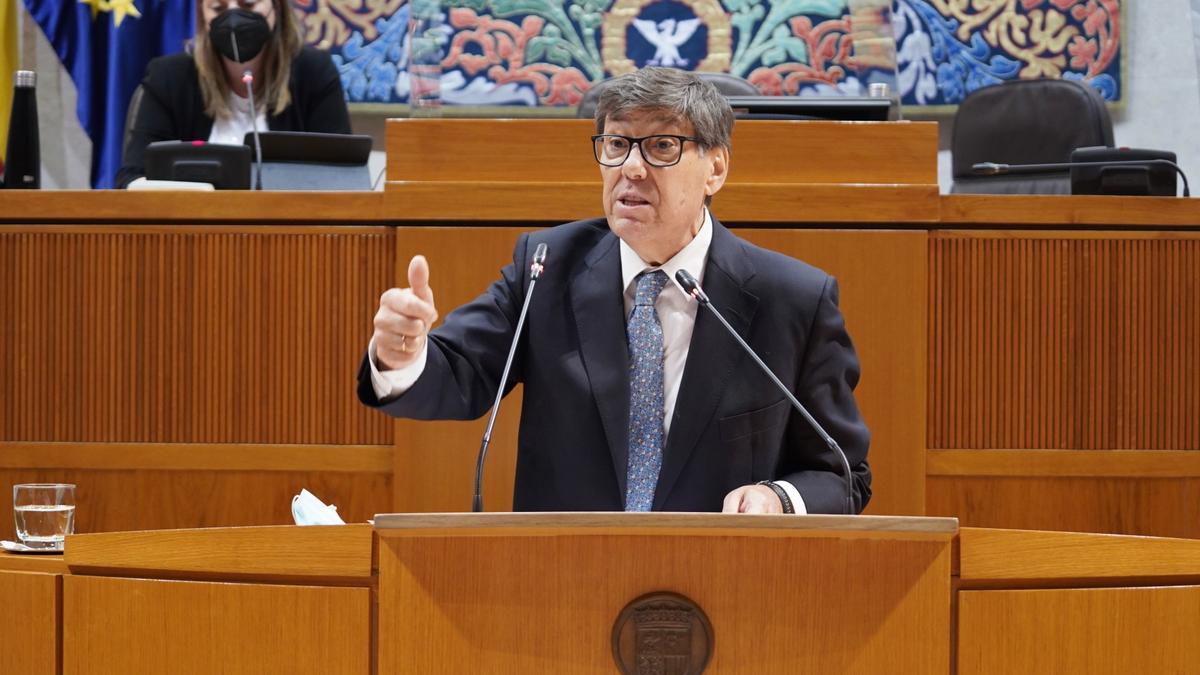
column 632, row 399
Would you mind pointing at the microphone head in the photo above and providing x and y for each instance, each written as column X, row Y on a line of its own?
column 538, row 265
column 248, row 77
column 691, row 286
column 989, row 169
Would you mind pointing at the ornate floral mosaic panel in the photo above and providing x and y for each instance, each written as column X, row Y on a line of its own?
column 549, row 52
column 949, row 48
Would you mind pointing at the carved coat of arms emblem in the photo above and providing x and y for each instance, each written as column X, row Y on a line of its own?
column 662, row 634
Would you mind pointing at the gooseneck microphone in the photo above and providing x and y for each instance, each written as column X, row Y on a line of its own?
column 248, row 78
column 535, row 271
column 692, row 288
column 995, row 169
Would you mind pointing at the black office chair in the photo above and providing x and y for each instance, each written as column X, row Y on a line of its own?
column 135, row 102
column 729, row 85
column 1026, row 122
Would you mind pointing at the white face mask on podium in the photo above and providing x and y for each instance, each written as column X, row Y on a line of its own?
column 308, row 510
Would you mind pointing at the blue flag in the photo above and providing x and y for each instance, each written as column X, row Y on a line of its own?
column 105, row 45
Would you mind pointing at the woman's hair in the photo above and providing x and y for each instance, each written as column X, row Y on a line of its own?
column 278, row 53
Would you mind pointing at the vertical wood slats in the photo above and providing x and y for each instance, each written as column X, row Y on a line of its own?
column 1064, row 343
column 202, row 337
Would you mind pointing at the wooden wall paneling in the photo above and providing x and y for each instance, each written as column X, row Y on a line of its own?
column 552, row 202
column 435, row 461
column 453, row 603
column 532, row 150
column 1075, row 341
column 1164, row 507
column 188, row 336
column 144, row 626
column 31, row 624
column 1098, row 631
column 499, row 149
column 889, row 153
column 1065, row 463
column 461, row 201
column 1063, row 378
column 144, row 499
column 882, row 276
column 874, row 172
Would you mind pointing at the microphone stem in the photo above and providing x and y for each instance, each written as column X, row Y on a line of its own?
column 477, row 499
column 992, row 169
column 248, row 77
column 829, row 441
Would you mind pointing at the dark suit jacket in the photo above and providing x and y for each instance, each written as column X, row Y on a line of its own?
column 731, row 426
column 172, row 107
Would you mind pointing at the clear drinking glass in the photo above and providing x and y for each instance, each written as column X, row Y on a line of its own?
column 426, row 33
column 44, row 513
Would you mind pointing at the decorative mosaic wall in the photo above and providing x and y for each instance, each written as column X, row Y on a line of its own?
column 949, row 48
column 549, row 52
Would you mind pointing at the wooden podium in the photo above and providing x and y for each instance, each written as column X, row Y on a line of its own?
column 540, row 593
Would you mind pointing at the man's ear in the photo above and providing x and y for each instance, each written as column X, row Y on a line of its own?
column 720, row 170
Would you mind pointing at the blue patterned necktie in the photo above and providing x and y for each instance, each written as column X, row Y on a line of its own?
column 645, row 393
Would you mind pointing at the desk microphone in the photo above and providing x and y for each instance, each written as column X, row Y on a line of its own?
column 692, row 288
column 994, row 169
column 535, row 271
column 248, row 78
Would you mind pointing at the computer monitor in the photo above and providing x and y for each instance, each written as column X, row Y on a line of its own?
column 302, row 160
column 226, row 167
column 850, row 108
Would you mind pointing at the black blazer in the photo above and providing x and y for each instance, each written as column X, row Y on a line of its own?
column 731, row 426
column 172, row 106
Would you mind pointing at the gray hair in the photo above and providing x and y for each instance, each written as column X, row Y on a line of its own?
column 678, row 93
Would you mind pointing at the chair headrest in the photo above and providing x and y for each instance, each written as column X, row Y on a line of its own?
column 1027, row 122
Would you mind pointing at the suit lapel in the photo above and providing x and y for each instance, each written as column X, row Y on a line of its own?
column 599, row 307
column 712, row 356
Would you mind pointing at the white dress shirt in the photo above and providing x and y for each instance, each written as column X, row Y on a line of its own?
column 676, row 313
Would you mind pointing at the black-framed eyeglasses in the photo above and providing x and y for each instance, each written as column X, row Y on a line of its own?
column 659, row 150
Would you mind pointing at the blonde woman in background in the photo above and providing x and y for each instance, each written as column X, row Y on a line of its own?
column 202, row 95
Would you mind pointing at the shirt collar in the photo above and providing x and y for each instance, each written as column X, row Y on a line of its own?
column 691, row 258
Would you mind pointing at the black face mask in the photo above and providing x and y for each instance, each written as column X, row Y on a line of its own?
column 250, row 29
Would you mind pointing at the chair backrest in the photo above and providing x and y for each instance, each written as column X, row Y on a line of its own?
column 135, row 102
column 1026, row 122
column 729, row 85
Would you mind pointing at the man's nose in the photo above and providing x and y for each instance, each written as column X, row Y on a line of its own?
column 635, row 164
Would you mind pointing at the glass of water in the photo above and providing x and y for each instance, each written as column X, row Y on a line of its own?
column 427, row 31
column 44, row 513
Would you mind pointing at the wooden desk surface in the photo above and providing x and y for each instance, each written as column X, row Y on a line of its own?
column 1068, row 212
column 32, row 562
column 892, row 528
column 753, row 203
column 174, row 208
column 285, row 551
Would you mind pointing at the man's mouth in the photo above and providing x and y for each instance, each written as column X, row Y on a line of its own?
column 632, row 200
